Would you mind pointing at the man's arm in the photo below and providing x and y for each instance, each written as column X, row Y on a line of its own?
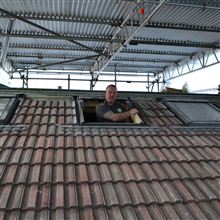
column 120, row 116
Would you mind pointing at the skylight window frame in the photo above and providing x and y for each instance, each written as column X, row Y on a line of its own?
column 181, row 115
column 9, row 109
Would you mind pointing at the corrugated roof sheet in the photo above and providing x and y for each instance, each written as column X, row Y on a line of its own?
column 187, row 14
column 185, row 26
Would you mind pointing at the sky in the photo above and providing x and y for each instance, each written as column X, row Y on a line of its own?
column 84, row 85
column 206, row 79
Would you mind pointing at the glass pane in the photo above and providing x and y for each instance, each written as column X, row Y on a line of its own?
column 3, row 104
column 198, row 112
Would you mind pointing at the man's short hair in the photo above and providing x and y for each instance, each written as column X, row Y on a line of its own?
column 111, row 85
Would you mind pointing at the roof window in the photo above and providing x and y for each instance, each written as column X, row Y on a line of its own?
column 87, row 116
column 8, row 105
column 195, row 112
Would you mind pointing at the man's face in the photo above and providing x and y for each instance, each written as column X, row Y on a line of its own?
column 111, row 95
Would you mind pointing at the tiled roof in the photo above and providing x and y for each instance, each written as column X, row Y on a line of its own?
column 50, row 168
column 155, row 113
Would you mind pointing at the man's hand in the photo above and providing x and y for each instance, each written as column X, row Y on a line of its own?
column 134, row 116
column 133, row 111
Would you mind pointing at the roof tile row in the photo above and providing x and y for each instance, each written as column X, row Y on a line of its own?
column 200, row 210
column 106, row 172
column 111, row 138
column 111, row 155
column 27, row 196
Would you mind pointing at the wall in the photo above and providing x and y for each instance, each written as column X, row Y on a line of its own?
column 4, row 77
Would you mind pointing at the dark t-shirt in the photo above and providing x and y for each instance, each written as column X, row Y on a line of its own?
column 103, row 108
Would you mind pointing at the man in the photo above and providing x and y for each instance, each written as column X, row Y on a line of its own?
column 111, row 110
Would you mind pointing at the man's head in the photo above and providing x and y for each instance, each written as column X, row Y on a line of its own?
column 111, row 94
